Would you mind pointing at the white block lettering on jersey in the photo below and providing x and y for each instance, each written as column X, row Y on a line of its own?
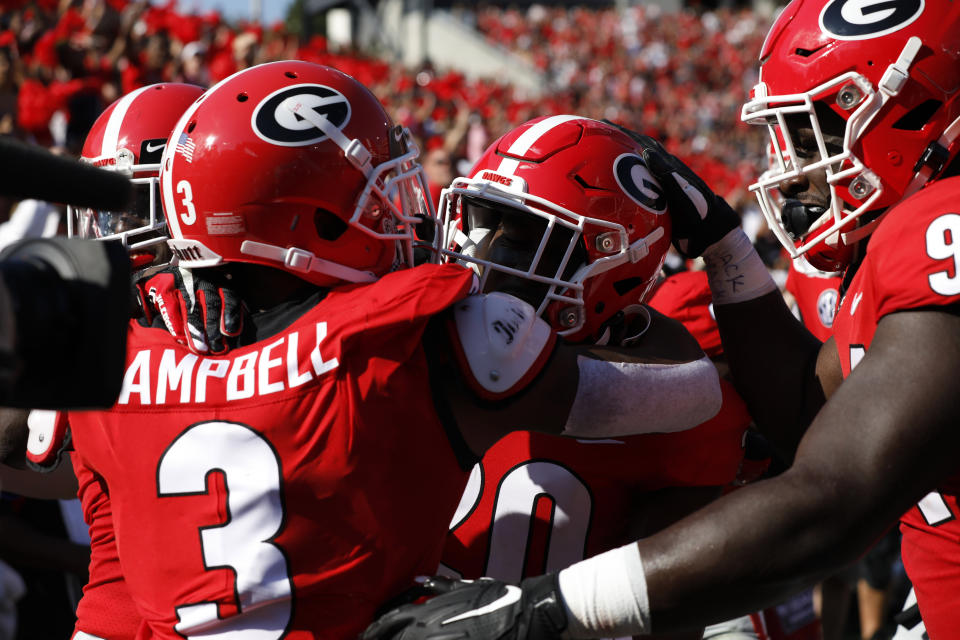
column 137, row 379
column 471, row 496
column 942, row 236
column 319, row 366
column 250, row 374
column 209, row 368
column 173, row 374
column 934, row 509
column 267, row 363
column 857, row 351
column 294, row 377
column 243, row 369
column 243, row 542
column 517, row 498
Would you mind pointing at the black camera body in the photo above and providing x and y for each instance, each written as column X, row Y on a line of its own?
column 64, row 310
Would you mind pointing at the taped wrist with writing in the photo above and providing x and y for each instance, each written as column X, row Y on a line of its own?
column 735, row 271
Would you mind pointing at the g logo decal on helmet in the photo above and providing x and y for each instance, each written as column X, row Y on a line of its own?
column 276, row 122
column 862, row 19
column 635, row 180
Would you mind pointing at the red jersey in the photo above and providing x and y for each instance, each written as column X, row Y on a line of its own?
column 792, row 619
column 911, row 262
column 292, row 485
column 539, row 503
column 816, row 295
column 106, row 609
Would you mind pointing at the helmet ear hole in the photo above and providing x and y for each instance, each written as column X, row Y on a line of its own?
column 329, row 226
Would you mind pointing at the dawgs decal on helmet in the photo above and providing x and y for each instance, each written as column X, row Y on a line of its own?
column 635, row 180
column 863, row 19
column 275, row 120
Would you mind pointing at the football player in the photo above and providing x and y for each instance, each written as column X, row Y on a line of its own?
column 868, row 106
column 128, row 137
column 310, row 473
column 537, row 502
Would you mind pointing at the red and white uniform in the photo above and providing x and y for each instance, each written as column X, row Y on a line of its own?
column 290, row 486
column 539, row 503
column 912, row 262
column 816, row 294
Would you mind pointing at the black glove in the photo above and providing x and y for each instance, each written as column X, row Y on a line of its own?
column 700, row 217
column 201, row 313
column 477, row 609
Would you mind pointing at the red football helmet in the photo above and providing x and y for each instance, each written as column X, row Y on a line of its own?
column 297, row 166
column 874, row 87
column 129, row 137
column 563, row 213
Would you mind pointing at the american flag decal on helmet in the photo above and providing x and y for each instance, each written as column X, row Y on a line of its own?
column 186, row 146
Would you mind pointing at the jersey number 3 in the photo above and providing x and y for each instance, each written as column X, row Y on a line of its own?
column 244, row 542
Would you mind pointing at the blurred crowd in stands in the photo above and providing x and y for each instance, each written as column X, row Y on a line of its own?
column 680, row 77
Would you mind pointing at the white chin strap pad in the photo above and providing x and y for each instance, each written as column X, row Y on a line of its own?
column 48, row 435
column 502, row 343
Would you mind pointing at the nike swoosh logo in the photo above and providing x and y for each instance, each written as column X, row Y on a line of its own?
column 856, row 302
column 511, row 596
column 150, row 148
column 398, row 135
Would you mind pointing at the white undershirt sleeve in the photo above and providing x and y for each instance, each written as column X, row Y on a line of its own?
column 628, row 398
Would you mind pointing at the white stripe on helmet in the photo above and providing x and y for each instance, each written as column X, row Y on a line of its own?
column 111, row 134
column 521, row 145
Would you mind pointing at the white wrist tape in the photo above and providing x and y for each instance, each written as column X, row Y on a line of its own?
column 735, row 271
column 606, row 596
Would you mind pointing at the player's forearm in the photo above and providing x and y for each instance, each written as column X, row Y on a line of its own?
column 749, row 550
column 772, row 356
column 772, row 360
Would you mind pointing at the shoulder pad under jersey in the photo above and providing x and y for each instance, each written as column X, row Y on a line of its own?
column 501, row 343
column 49, row 437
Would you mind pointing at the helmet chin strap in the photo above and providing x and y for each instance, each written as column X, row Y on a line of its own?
column 301, row 261
column 927, row 172
column 357, row 154
column 920, row 178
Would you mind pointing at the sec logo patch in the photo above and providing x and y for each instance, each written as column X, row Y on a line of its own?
column 827, row 307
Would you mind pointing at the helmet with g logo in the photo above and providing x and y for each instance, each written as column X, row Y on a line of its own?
column 297, row 166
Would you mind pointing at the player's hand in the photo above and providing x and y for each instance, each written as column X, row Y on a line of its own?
column 477, row 609
column 700, row 217
column 200, row 314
